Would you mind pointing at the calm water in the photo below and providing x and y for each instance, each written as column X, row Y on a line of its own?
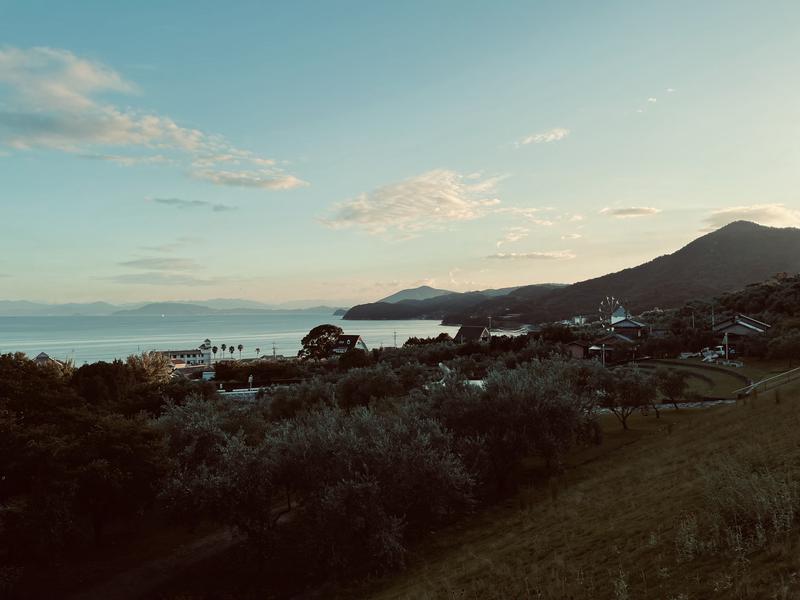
column 89, row 339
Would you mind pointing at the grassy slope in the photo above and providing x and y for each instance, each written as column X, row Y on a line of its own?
column 609, row 527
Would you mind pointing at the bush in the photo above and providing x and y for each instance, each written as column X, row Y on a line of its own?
column 358, row 387
column 540, row 409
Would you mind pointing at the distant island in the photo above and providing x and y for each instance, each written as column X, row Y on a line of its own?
column 179, row 309
column 219, row 306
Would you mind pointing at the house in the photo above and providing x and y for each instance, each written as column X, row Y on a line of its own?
column 44, row 360
column 741, row 326
column 619, row 314
column 628, row 327
column 195, row 356
column 578, row 349
column 345, row 343
column 613, row 347
column 472, row 333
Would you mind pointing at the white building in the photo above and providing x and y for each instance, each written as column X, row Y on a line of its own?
column 192, row 357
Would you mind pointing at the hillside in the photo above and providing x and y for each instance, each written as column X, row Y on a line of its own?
column 433, row 308
column 423, row 292
column 722, row 261
column 635, row 518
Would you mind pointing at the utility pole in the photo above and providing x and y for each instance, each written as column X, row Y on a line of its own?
column 395, row 339
column 274, row 352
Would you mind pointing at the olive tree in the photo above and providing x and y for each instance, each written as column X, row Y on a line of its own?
column 319, row 342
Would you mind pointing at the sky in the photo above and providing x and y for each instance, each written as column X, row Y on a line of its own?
column 343, row 150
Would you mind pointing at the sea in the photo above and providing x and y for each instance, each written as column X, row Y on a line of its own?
column 91, row 339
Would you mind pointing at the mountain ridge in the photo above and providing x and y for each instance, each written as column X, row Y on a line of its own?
column 717, row 262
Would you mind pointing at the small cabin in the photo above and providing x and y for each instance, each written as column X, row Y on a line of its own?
column 472, row 333
column 578, row 349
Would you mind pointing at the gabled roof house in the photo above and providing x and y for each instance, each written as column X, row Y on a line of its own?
column 741, row 325
column 345, row 343
column 472, row 333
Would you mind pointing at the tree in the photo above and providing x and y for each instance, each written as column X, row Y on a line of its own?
column 231, row 349
column 672, row 384
column 627, row 390
column 361, row 385
column 320, row 342
column 785, row 346
column 118, row 463
column 538, row 409
column 214, row 349
column 354, row 358
column 258, row 352
column 240, row 347
column 224, row 347
column 150, row 367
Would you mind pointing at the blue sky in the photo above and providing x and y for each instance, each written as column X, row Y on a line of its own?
column 343, row 150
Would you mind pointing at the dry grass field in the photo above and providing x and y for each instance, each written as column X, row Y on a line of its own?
column 698, row 504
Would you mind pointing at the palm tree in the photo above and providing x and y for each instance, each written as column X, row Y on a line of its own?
column 258, row 352
column 214, row 350
column 240, row 348
column 231, row 349
column 223, row 346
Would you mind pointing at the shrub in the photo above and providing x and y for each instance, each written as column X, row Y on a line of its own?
column 360, row 386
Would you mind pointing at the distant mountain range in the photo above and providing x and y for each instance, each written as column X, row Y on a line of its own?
column 179, row 309
column 24, row 308
column 722, row 261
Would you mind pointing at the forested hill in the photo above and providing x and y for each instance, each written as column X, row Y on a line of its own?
column 724, row 260
column 423, row 292
column 434, row 308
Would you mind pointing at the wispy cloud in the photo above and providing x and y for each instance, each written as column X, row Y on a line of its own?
column 183, row 204
column 128, row 161
column 58, row 100
column 630, row 212
column 262, row 178
column 161, row 278
column 544, row 137
column 428, row 201
column 773, row 215
column 513, row 234
column 571, row 236
column 169, row 247
column 530, row 214
column 551, row 255
column 162, row 264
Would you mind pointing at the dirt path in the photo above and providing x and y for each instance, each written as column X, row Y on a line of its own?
column 139, row 581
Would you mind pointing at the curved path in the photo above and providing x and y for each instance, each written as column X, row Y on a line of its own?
column 141, row 580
